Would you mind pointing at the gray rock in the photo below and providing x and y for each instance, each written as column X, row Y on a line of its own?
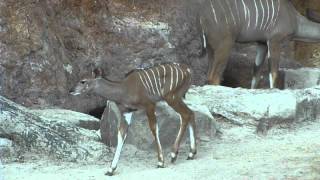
column 258, row 108
column 301, row 78
column 1, row 171
column 51, row 137
column 6, row 149
column 109, row 124
column 168, row 121
column 68, row 117
column 139, row 133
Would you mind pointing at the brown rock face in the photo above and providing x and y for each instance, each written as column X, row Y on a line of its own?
column 47, row 46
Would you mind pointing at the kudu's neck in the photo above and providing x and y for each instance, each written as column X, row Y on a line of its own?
column 111, row 90
column 307, row 31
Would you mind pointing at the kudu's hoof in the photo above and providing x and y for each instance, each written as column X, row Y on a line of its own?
column 160, row 165
column 191, row 156
column 109, row 173
column 173, row 157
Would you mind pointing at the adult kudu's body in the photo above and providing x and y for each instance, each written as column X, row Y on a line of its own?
column 267, row 22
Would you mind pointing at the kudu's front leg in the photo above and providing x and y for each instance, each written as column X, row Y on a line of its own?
column 122, row 135
column 155, row 132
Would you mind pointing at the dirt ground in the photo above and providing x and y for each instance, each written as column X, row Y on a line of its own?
column 237, row 154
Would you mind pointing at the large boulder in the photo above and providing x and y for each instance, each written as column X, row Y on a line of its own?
column 139, row 133
column 301, row 78
column 259, row 108
column 25, row 132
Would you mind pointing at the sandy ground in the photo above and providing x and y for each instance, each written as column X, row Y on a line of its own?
column 238, row 154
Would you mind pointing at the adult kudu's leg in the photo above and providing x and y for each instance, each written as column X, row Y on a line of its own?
column 122, row 135
column 262, row 50
column 155, row 132
column 186, row 118
column 217, row 59
column 273, row 60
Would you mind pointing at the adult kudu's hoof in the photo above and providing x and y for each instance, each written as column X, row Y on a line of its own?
column 160, row 165
column 173, row 157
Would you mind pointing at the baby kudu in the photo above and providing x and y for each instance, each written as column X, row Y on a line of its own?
column 142, row 89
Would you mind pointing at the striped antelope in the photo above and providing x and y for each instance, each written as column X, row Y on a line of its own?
column 142, row 89
column 266, row 22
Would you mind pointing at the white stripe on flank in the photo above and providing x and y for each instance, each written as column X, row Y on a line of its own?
column 160, row 84
column 164, row 77
column 155, row 81
column 249, row 17
column 181, row 74
column 154, row 92
column 262, row 6
column 257, row 14
column 228, row 4
column 236, row 3
column 271, row 20
column 244, row 10
column 146, row 81
column 177, row 75
column 145, row 86
column 214, row 12
column 171, row 77
column 276, row 17
column 265, row 25
column 224, row 12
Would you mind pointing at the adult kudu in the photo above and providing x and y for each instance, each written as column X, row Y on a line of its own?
column 266, row 22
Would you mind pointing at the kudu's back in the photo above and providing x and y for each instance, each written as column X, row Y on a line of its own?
column 160, row 81
column 247, row 20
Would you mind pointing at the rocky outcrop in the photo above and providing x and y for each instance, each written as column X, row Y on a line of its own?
column 259, row 108
column 301, row 78
column 24, row 131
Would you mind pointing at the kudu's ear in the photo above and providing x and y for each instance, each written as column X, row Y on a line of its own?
column 97, row 73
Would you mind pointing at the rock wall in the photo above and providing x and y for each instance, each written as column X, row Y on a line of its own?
column 47, row 46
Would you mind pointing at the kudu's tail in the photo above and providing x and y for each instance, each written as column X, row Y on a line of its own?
column 308, row 30
column 313, row 15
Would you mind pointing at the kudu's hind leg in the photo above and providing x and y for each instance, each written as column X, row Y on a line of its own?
column 155, row 132
column 262, row 50
column 217, row 60
column 122, row 135
column 273, row 61
column 186, row 116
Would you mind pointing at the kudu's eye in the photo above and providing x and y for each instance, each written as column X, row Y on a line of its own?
column 83, row 81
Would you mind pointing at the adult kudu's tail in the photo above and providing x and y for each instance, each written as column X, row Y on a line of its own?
column 313, row 15
column 308, row 29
